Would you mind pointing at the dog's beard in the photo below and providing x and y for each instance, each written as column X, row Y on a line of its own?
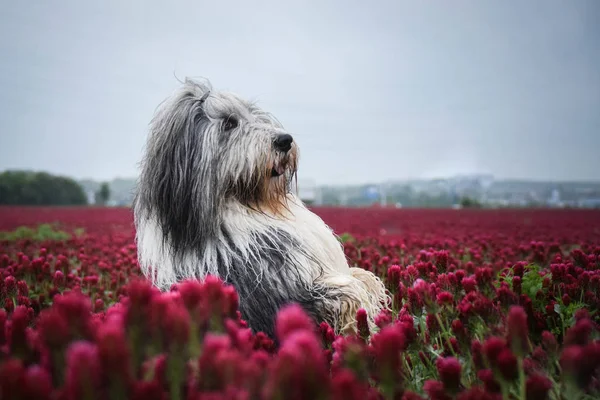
column 281, row 164
column 269, row 188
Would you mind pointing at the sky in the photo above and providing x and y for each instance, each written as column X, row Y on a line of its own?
column 386, row 90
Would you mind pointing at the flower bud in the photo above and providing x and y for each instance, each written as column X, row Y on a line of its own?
column 83, row 371
column 292, row 318
column 449, row 370
column 538, row 387
column 362, row 324
column 38, row 383
column 518, row 332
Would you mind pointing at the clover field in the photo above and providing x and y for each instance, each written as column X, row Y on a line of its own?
column 487, row 304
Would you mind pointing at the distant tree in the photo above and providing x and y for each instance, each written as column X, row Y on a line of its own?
column 467, row 202
column 39, row 188
column 103, row 194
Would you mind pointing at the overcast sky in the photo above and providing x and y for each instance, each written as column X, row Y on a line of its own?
column 390, row 90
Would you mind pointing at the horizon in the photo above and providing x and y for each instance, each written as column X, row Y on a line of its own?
column 362, row 183
column 372, row 182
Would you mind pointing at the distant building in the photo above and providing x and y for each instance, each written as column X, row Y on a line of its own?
column 589, row 203
column 307, row 191
column 554, row 200
column 91, row 196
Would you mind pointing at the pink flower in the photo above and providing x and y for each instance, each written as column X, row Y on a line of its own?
column 10, row 286
column 177, row 325
column 484, row 277
column 441, row 259
column 148, row 390
column 241, row 338
column 492, row 348
column 300, row 370
column 262, row 341
column 449, row 370
column 210, row 374
column 435, row 390
column 393, row 278
column 327, row 333
column 59, row 279
column 487, row 377
column 219, row 300
column 345, row 386
column 9, row 306
column 140, row 292
column 432, row 323
column 53, row 329
column 518, row 332
column 12, row 379
column 77, row 309
column 469, row 284
column 191, row 292
column 425, row 293
column 477, row 393
column 477, row 354
column 18, row 336
column 406, row 325
column 506, row 362
column 83, row 370
column 292, row 318
column 580, row 333
column 459, row 330
column 383, row 319
column 38, row 383
column 98, row 305
column 517, row 285
column 387, row 347
column 445, row 298
column 22, row 288
column 352, row 353
column 579, row 363
column 362, row 324
column 3, row 319
column 549, row 343
column 408, row 395
column 113, row 353
column 538, row 387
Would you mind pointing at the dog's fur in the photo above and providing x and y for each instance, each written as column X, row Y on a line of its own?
column 214, row 198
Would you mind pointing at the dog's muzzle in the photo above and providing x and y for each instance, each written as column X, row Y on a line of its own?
column 282, row 143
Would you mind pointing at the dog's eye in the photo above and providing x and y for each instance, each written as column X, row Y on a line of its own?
column 230, row 123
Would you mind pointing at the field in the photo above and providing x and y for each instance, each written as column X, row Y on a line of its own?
column 488, row 304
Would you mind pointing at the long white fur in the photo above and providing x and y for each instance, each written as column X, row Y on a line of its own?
column 321, row 250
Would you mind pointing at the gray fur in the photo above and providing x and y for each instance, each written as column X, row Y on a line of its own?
column 205, row 204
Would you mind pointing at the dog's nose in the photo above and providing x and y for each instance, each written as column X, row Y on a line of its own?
column 284, row 142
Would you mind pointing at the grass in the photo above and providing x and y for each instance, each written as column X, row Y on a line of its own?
column 40, row 233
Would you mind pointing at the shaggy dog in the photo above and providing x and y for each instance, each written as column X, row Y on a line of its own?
column 214, row 198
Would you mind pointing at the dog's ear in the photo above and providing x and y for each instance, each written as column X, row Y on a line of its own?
column 178, row 184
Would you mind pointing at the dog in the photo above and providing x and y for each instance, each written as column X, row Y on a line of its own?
column 214, row 198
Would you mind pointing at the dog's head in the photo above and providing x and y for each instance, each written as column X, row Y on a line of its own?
column 206, row 148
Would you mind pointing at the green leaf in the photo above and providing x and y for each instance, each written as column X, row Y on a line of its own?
column 347, row 238
column 571, row 310
column 532, row 281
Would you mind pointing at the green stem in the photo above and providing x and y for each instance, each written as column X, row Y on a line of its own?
column 407, row 369
column 522, row 382
column 505, row 390
column 446, row 334
column 175, row 373
column 430, row 366
column 117, row 390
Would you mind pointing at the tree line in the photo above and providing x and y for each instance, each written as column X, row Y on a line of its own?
column 42, row 188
